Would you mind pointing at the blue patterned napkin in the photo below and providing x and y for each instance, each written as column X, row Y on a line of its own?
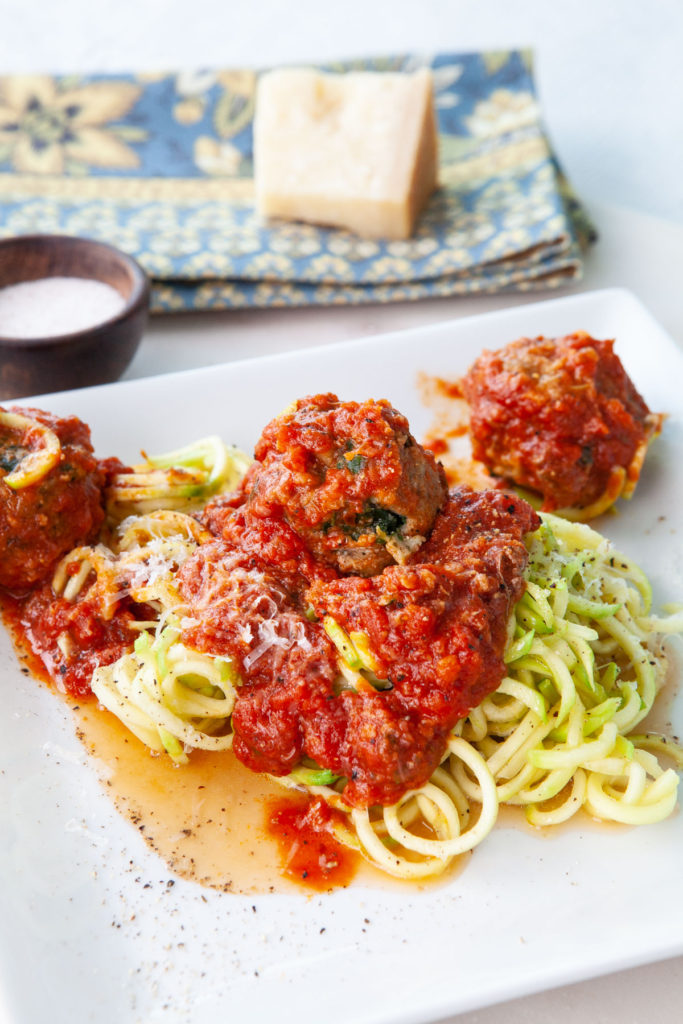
column 161, row 166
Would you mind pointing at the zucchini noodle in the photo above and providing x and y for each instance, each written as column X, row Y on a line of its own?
column 172, row 698
column 35, row 464
column 182, row 480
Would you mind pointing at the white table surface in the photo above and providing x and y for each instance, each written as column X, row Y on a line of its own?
column 612, row 88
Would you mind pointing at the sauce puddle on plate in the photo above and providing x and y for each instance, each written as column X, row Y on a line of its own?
column 448, row 433
column 210, row 820
column 206, row 819
column 214, row 822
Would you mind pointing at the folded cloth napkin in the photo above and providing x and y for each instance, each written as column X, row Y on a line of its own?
column 160, row 165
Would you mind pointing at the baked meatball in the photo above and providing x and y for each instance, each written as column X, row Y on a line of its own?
column 349, row 479
column 562, row 417
column 50, row 493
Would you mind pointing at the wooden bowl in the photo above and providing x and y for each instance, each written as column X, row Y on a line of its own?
column 95, row 355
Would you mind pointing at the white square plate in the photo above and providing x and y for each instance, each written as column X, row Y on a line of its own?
column 89, row 927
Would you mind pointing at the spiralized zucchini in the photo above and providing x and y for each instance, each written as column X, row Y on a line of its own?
column 37, row 463
column 183, row 479
column 169, row 696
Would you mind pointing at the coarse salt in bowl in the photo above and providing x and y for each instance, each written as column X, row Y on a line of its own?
column 72, row 313
column 52, row 306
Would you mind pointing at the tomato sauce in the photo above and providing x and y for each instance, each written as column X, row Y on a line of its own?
column 436, row 625
column 436, row 620
column 450, row 423
column 437, row 445
column 309, row 852
column 336, row 479
column 225, row 836
column 87, row 641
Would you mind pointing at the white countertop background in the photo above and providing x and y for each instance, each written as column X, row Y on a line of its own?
column 610, row 79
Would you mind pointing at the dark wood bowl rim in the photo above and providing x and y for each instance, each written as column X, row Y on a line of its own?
column 136, row 301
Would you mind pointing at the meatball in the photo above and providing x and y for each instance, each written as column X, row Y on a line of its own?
column 562, row 417
column 349, row 479
column 53, row 500
column 437, row 627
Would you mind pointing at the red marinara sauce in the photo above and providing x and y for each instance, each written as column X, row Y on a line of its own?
column 309, row 851
column 36, row 622
column 560, row 416
column 437, row 626
column 437, row 630
column 71, row 639
column 437, row 446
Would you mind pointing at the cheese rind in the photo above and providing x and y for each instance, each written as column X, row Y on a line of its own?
column 355, row 150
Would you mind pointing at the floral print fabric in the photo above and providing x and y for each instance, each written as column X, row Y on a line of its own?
column 161, row 166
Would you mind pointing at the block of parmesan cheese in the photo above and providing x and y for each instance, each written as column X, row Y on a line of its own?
column 355, row 150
